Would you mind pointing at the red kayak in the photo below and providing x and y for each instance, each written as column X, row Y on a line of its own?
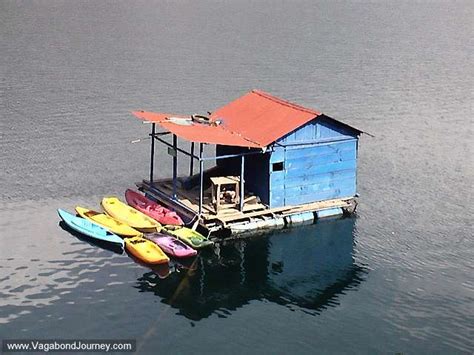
column 152, row 209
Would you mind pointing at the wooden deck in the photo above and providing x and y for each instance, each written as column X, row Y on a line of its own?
column 254, row 212
column 190, row 198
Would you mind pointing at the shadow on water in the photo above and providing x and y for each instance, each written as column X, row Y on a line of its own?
column 94, row 242
column 305, row 268
column 160, row 270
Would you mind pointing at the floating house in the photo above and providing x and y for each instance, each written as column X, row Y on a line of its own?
column 277, row 164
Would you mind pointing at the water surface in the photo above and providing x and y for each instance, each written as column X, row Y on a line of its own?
column 396, row 278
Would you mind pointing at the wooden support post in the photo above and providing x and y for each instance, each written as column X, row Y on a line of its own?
column 152, row 153
column 242, row 173
column 191, row 160
column 201, row 179
column 175, row 164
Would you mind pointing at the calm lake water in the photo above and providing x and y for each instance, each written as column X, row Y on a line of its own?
column 396, row 278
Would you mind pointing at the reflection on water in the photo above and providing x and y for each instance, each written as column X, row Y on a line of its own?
column 160, row 270
column 94, row 242
column 305, row 268
column 52, row 269
column 72, row 71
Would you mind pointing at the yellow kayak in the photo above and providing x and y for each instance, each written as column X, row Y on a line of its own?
column 146, row 251
column 108, row 222
column 129, row 215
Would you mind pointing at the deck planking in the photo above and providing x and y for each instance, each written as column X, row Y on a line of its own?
column 190, row 198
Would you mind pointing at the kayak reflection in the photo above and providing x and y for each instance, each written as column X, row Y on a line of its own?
column 114, row 248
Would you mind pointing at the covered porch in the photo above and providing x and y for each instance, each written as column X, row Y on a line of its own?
column 246, row 133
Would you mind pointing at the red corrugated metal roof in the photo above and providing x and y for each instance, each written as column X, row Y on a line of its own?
column 263, row 118
column 196, row 132
column 254, row 120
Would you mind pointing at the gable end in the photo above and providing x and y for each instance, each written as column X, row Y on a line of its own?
column 321, row 129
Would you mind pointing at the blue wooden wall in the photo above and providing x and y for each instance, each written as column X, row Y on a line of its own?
column 322, row 129
column 319, row 163
column 313, row 173
column 316, row 162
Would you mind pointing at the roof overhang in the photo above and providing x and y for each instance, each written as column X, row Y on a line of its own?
column 255, row 120
column 185, row 127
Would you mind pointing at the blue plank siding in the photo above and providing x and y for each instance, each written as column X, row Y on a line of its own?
column 277, row 198
column 318, row 149
column 278, row 155
column 282, row 181
column 315, row 172
column 311, row 178
column 277, row 178
column 323, row 195
column 318, row 185
column 326, row 163
column 317, row 161
column 318, row 130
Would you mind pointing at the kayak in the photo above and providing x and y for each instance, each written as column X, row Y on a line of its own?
column 108, row 222
column 89, row 228
column 171, row 245
column 128, row 215
column 146, row 251
column 189, row 236
column 152, row 209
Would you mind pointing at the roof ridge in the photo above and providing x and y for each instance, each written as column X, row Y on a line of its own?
column 241, row 135
column 285, row 102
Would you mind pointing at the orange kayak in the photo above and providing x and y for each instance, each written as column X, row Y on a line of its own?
column 146, row 251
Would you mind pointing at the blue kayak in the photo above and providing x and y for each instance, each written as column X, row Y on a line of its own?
column 89, row 228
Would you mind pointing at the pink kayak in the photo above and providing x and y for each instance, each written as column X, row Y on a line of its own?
column 152, row 209
column 171, row 245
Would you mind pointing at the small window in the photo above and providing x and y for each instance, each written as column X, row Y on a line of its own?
column 277, row 166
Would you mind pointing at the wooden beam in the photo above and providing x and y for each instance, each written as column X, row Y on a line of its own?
column 171, row 146
column 201, row 178
column 242, row 174
column 175, row 164
column 191, row 160
column 152, row 153
column 227, row 156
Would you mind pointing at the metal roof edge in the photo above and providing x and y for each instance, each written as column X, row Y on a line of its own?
column 347, row 125
column 285, row 102
column 304, row 109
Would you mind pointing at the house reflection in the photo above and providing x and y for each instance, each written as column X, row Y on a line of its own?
column 306, row 268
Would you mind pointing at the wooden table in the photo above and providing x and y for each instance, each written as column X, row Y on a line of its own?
column 223, row 188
